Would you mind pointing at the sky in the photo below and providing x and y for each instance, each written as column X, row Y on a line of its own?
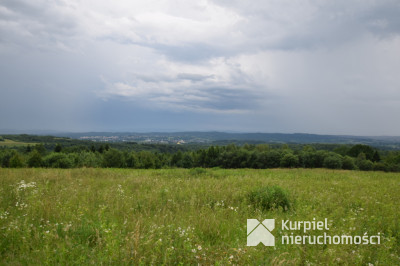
column 316, row 66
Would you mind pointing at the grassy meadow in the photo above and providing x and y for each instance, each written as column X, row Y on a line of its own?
column 12, row 143
column 190, row 216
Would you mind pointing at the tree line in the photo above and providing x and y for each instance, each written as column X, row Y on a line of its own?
column 261, row 156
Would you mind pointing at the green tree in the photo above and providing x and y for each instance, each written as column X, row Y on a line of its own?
column 377, row 166
column 262, row 147
column 132, row 160
column 376, row 157
column 362, row 162
column 361, row 148
column 289, row 160
column 113, row 158
column 365, row 165
column 88, row 159
column 342, row 150
column 40, row 148
column 308, row 159
column 176, row 159
column 16, row 161
column 35, row 159
column 58, row 148
column 187, row 160
column 348, row 163
column 58, row 160
column 6, row 156
column 212, row 156
column 146, row 160
column 92, row 148
column 319, row 158
column 333, row 161
column 273, row 159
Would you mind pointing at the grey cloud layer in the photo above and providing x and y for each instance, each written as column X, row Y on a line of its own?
column 274, row 60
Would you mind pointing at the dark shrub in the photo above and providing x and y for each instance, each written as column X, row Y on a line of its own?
column 364, row 165
column 5, row 157
column 308, row 159
column 88, row 159
column 361, row 148
column 132, row 160
column 289, row 160
column 146, row 160
column 16, row 161
column 379, row 167
column 348, row 163
column 58, row 160
column 393, row 167
column 187, row 161
column 113, row 158
column 273, row 159
column 197, row 171
column 333, row 162
column 35, row 159
column 269, row 197
column 319, row 158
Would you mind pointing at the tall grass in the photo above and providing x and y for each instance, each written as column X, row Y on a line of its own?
column 120, row 216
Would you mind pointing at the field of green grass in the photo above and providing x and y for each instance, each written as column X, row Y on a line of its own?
column 12, row 143
column 172, row 216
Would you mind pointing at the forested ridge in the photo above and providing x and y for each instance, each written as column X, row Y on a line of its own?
column 55, row 152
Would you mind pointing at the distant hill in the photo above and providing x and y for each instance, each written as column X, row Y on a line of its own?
column 224, row 138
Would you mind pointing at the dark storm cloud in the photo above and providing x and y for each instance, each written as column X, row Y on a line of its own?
column 50, row 19
column 384, row 20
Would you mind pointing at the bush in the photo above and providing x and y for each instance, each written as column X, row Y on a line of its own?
column 16, row 161
column 58, row 160
column 113, row 158
column 146, row 160
column 308, row 159
column 348, row 163
column 333, row 162
column 379, row 166
column 35, row 159
column 269, row 197
column 187, row 161
column 197, row 171
column 319, row 158
column 364, row 165
column 393, row 167
column 131, row 160
column 289, row 161
column 88, row 159
column 273, row 159
column 6, row 156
